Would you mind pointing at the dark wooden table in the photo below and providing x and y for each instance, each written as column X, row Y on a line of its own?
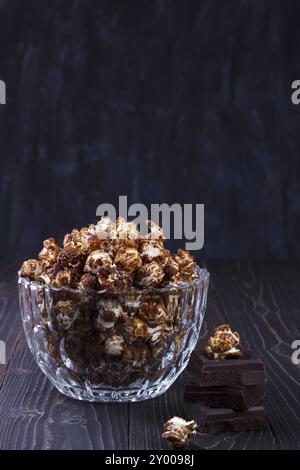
column 259, row 299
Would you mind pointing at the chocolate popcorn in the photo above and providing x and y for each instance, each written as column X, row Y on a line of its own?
column 114, row 346
column 66, row 312
column 63, row 278
column 118, row 280
column 136, row 329
column 223, row 344
column 89, row 282
column 128, row 259
column 149, row 275
column 71, row 258
column 109, row 310
column 31, row 269
column 178, row 431
column 99, row 263
column 153, row 251
column 109, row 320
column 48, row 255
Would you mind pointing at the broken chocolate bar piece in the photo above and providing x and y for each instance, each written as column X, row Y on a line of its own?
column 212, row 420
column 248, row 370
column 237, row 398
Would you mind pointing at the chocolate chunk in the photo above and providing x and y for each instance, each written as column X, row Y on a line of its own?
column 248, row 370
column 237, row 398
column 212, row 420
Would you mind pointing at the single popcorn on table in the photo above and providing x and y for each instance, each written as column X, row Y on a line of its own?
column 223, row 344
column 178, row 431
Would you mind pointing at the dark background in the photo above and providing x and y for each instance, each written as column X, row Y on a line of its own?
column 164, row 101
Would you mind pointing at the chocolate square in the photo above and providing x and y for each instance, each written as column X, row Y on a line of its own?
column 211, row 420
column 234, row 397
column 248, row 370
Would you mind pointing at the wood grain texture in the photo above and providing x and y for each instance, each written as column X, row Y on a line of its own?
column 259, row 299
column 10, row 321
column 33, row 415
column 164, row 101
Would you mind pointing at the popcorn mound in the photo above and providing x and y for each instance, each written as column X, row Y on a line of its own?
column 117, row 305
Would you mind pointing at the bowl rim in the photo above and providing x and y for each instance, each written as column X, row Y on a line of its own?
column 201, row 280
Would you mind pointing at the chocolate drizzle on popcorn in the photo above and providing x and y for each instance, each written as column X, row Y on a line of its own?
column 223, row 344
column 178, row 431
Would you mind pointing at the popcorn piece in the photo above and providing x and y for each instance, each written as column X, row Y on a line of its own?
column 48, row 255
column 109, row 310
column 153, row 313
column 66, row 312
column 149, row 275
column 64, row 278
column 71, row 258
column 89, row 281
column 89, row 240
column 178, row 431
column 171, row 267
column 153, row 251
column 223, row 344
column 31, row 268
column 128, row 259
column 99, row 263
column 186, row 262
column 135, row 330
column 114, row 346
column 116, row 281
column 106, row 228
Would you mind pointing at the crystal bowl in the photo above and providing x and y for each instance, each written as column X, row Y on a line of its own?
column 113, row 347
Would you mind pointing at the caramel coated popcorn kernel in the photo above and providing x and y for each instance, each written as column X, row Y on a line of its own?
column 149, row 275
column 31, row 268
column 48, row 255
column 114, row 346
column 223, row 344
column 178, row 431
column 99, row 263
column 128, row 259
column 66, row 312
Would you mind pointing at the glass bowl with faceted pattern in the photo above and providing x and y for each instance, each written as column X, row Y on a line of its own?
column 113, row 347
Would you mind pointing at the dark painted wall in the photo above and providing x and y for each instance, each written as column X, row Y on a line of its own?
column 165, row 101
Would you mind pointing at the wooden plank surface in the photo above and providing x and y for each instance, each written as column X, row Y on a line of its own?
column 258, row 299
